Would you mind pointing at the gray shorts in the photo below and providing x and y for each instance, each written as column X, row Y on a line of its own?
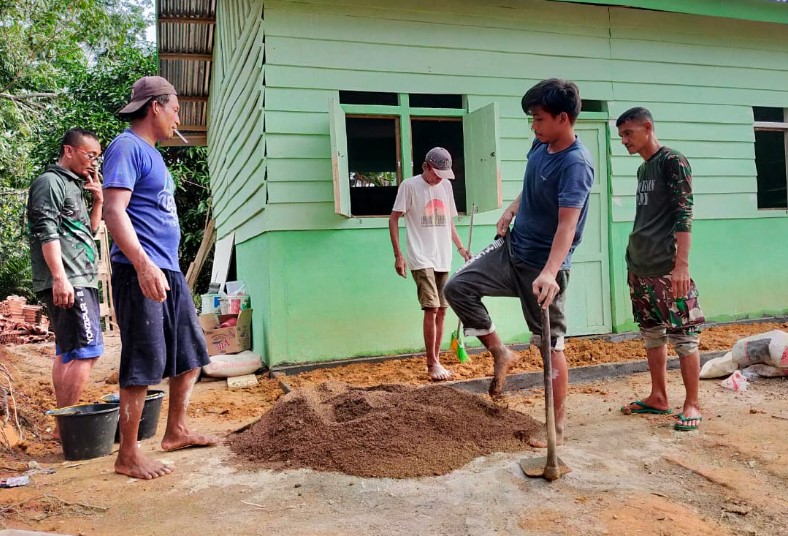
column 495, row 272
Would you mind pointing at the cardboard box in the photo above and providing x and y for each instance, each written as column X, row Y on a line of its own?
column 227, row 340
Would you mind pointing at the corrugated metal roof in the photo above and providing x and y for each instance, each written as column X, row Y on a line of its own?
column 185, row 40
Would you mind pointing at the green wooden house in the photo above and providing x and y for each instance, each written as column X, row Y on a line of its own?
column 319, row 108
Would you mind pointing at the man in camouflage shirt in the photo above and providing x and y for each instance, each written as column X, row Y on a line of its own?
column 664, row 297
column 64, row 259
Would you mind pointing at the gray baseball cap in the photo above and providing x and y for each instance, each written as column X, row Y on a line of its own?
column 439, row 160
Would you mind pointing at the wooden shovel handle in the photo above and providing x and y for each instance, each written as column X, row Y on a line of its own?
column 552, row 471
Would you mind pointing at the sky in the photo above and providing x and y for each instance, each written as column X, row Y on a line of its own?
column 150, row 33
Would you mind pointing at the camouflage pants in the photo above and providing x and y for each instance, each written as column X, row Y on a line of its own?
column 662, row 318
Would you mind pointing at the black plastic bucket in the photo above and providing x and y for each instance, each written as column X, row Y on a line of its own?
column 149, row 421
column 86, row 431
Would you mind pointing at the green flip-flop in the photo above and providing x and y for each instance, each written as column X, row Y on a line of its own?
column 645, row 408
column 681, row 427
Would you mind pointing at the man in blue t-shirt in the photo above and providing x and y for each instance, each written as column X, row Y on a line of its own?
column 532, row 262
column 159, row 331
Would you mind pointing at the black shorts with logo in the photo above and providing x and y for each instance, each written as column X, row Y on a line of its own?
column 78, row 328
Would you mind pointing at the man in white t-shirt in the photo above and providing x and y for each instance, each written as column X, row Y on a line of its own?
column 427, row 202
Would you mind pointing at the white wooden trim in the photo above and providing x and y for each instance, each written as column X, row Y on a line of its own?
column 770, row 125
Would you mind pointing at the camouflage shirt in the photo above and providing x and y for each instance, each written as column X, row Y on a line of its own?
column 56, row 211
column 663, row 208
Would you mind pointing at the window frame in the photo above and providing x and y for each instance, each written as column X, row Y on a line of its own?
column 775, row 126
column 405, row 113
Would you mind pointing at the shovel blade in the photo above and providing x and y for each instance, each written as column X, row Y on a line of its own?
column 537, row 468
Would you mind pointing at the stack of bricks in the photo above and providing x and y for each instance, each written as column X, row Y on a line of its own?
column 13, row 307
column 21, row 323
column 32, row 314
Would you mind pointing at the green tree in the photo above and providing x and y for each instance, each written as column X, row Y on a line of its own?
column 71, row 63
column 189, row 168
column 41, row 43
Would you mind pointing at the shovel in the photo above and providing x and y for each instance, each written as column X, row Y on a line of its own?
column 550, row 467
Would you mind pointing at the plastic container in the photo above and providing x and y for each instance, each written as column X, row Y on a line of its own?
column 86, row 431
column 149, row 422
column 210, row 303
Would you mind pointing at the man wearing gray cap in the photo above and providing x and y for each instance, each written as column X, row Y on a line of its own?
column 427, row 202
column 159, row 331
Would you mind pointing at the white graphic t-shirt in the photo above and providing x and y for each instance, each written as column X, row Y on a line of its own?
column 428, row 212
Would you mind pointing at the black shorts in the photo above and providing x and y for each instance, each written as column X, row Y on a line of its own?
column 160, row 340
column 78, row 328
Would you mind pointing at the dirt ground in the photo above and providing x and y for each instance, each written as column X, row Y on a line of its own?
column 631, row 474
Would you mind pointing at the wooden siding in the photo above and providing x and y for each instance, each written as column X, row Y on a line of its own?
column 700, row 76
column 236, row 145
column 757, row 10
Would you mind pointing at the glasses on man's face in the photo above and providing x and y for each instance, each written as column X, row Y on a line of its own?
column 93, row 157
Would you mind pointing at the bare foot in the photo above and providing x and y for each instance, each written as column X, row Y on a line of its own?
column 142, row 467
column 187, row 440
column 438, row 373
column 504, row 359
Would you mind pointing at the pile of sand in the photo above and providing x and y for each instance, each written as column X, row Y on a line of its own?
column 392, row 431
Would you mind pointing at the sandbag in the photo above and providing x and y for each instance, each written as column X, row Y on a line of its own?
column 765, row 371
column 230, row 365
column 719, row 367
column 769, row 348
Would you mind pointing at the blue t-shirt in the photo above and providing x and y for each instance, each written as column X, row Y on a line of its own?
column 562, row 179
column 132, row 163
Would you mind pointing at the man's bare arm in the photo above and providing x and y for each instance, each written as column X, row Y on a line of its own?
column 399, row 260
column 152, row 281
column 545, row 286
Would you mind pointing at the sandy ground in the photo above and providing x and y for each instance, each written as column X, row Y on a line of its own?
column 631, row 474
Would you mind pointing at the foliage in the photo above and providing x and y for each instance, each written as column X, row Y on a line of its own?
column 71, row 63
column 189, row 168
column 15, row 274
column 41, row 43
column 16, row 277
column 95, row 94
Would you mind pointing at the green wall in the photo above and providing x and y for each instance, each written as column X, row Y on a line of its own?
column 757, row 10
column 322, row 284
column 316, row 297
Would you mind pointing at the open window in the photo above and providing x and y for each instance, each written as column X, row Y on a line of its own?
column 376, row 145
column 771, row 148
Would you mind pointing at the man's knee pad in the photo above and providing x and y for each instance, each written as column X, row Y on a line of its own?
column 654, row 337
column 684, row 344
column 559, row 344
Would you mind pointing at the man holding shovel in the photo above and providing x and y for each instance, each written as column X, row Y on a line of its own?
column 63, row 257
column 159, row 330
column 427, row 202
column 532, row 261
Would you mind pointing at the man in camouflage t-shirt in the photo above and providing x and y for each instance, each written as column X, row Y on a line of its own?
column 63, row 257
column 664, row 297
